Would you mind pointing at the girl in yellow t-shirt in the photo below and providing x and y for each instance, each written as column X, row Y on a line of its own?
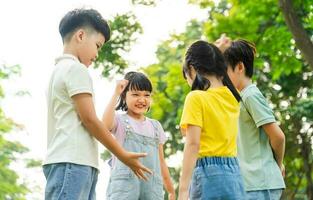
column 210, row 124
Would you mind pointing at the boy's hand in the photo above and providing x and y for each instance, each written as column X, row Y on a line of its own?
column 132, row 161
column 223, row 42
column 120, row 86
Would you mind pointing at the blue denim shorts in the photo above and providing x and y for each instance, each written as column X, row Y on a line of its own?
column 217, row 178
column 67, row 181
column 274, row 194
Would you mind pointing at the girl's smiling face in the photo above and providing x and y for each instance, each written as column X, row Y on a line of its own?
column 138, row 102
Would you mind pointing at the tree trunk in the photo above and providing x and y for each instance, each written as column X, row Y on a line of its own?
column 306, row 153
column 302, row 39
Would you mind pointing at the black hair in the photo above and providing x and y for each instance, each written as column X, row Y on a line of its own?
column 207, row 59
column 241, row 51
column 136, row 81
column 83, row 18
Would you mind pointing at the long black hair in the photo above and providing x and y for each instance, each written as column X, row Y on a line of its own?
column 207, row 59
column 136, row 81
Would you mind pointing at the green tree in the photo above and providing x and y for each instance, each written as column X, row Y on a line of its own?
column 282, row 74
column 10, row 188
column 301, row 36
column 125, row 29
column 279, row 65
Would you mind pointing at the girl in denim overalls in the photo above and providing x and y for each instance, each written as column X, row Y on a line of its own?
column 210, row 122
column 136, row 133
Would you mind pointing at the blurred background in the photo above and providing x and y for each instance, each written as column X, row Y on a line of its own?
column 152, row 36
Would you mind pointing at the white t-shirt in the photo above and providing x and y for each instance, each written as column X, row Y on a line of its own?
column 68, row 140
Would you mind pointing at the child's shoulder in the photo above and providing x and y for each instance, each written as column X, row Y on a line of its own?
column 195, row 94
column 120, row 115
column 251, row 91
column 154, row 122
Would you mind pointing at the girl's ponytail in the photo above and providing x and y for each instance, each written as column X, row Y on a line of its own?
column 227, row 82
column 200, row 83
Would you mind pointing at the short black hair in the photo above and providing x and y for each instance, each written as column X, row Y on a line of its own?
column 136, row 81
column 83, row 18
column 241, row 51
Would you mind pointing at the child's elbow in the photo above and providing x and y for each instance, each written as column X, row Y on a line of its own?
column 88, row 120
column 194, row 146
column 279, row 138
column 282, row 137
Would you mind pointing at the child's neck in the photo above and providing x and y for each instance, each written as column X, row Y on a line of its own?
column 214, row 81
column 68, row 49
column 244, row 83
column 136, row 116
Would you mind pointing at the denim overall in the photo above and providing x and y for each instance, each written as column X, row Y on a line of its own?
column 123, row 184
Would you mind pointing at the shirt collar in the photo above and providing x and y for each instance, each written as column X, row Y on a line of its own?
column 66, row 56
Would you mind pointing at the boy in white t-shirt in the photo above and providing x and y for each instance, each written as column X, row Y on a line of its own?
column 71, row 165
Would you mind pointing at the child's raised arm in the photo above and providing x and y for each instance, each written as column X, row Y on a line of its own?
column 109, row 112
column 223, row 42
column 166, row 175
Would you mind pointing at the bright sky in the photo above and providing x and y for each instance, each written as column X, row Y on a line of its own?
column 30, row 38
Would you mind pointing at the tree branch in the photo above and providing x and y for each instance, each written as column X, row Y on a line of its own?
column 302, row 39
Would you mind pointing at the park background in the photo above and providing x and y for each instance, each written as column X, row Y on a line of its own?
column 152, row 36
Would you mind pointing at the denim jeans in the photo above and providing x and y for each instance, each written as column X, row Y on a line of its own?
column 67, row 181
column 217, row 178
column 274, row 194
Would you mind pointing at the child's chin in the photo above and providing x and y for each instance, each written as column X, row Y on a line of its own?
column 141, row 112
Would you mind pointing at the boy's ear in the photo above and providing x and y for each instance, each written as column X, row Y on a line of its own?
column 241, row 67
column 79, row 35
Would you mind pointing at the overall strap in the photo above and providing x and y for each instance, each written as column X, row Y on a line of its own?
column 156, row 129
column 126, row 124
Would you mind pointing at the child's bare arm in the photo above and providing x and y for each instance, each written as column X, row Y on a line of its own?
column 223, row 42
column 277, row 141
column 191, row 150
column 166, row 175
column 86, row 111
column 109, row 113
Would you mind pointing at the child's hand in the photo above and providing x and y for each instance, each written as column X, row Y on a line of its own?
column 132, row 161
column 120, row 86
column 172, row 196
column 223, row 42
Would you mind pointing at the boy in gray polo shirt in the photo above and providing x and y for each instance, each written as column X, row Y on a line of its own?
column 71, row 165
column 261, row 142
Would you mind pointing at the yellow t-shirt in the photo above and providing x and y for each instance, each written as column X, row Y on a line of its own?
column 216, row 112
